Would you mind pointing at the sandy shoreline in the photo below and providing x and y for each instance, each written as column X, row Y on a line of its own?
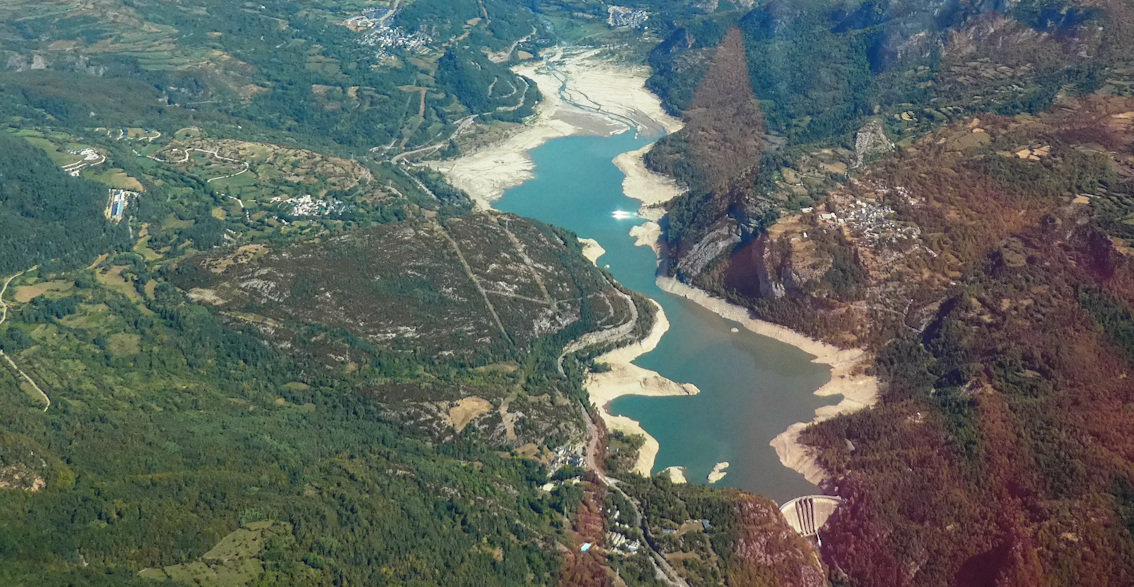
column 611, row 99
column 614, row 99
column 859, row 391
column 676, row 474
column 592, row 250
column 648, row 234
column 625, row 378
column 650, row 188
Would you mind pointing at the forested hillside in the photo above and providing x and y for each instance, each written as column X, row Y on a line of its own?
column 245, row 339
column 169, row 430
column 1011, row 375
column 838, row 82
column 47, row 217
column 153, row 431
column 244, row 342
column 346, row 74
column 969, row 229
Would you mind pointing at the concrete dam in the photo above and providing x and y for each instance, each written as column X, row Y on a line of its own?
column 809, row 513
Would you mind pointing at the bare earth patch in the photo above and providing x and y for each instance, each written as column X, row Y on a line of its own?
column 467, row 410
column 200, row 294
column 242, row 255
column 27, row 293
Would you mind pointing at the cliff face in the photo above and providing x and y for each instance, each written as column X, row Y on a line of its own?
column 989, row 266
column 770, row 268
column 921, row 65
column 766, row 551
column 880, row 253
column 717, row 153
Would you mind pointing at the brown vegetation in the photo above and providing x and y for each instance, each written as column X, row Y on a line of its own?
column 879, row 254
column 718, row 151
column 1001, row 314
column 723, row 125
column 587, row 569
column 768, row 552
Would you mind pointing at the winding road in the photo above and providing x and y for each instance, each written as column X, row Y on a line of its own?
column 11, row 363
column 605, row 335
column 662, row 568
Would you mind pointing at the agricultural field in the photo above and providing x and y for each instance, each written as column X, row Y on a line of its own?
column 257, row 172
column 334, row 73
column 189, row 183
column 235, row 560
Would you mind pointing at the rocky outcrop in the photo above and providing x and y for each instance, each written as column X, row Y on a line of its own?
column 718, row 241
column 871, row 140
column 768, row 552
column 775, row 265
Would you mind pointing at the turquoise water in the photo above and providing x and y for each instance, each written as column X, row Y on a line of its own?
column 752, row 387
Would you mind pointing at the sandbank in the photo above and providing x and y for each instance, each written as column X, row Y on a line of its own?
column 718, row 472
column 650, row 188
column 625, row 378
column 859, row 390
column 647, row 234
column 592, row 250
column 676, row 474
column 583, row 93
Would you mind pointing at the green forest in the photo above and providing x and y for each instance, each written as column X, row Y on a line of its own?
column 47, row 217
column 169, row 430
column 244, row 338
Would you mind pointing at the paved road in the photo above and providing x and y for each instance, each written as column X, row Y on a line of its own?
column 664, row 570
column 11, row 363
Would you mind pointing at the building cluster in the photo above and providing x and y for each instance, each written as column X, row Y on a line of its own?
column 619, row 543
column 307, row 206
column 871, row 221
column 568, row 455
column 626, row 17
column 116, row 206
column 385, row 38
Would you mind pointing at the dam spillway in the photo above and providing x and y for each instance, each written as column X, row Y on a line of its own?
column 808, row 514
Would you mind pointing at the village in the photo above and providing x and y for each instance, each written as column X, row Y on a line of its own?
column 307, row 206
column 870, row 220
column 386, row 38
column 625, row 17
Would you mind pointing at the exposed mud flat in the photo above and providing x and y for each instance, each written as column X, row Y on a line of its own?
column 583, row 93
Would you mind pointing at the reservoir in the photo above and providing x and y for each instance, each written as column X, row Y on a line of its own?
column 752, row 387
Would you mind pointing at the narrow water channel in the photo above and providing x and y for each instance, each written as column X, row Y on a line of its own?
column 752, row 387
